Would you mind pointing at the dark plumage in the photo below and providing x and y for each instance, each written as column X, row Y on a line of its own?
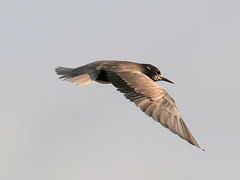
column 137, row 82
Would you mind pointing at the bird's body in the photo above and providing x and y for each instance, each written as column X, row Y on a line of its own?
column 137, row 82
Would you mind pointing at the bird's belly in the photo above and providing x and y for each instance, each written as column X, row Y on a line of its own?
column 103, row 82
column 102, row 78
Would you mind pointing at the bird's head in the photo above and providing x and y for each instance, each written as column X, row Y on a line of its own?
column 154, row 73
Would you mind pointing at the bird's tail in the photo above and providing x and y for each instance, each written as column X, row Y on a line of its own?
column 63, row 71
column 80, row 76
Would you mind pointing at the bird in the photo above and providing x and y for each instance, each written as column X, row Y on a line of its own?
column 137, row 82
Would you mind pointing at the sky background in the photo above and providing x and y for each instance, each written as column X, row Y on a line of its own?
column 55, row 130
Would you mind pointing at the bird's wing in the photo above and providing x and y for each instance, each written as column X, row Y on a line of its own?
column 153, row 100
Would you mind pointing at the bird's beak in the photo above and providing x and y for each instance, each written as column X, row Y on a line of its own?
column 165, row 79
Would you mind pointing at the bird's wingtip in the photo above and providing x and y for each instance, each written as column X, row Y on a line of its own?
column 200, row 147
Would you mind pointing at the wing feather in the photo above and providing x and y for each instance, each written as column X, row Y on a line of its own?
column 153, row 100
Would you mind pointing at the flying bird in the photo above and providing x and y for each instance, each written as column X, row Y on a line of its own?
column 138, row 84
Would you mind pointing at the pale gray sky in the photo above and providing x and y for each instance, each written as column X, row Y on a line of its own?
column 55, row 130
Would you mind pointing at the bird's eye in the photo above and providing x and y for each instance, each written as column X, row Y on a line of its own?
column 158, row 72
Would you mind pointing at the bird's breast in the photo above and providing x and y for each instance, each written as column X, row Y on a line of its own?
column 102, row 78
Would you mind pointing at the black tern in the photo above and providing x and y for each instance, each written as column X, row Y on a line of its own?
column 137, row 82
